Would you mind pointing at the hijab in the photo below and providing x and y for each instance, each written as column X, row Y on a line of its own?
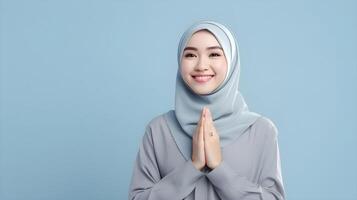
column 230, row 113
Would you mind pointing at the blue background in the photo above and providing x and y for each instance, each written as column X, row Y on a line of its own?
column 81, row 79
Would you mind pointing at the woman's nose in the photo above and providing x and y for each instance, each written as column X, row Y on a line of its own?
column 201, row 65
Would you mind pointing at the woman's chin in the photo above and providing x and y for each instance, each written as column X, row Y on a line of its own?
column 202, row 91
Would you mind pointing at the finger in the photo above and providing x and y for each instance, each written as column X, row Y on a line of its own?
column 204, row 110
column 206, row 127
column 210, row 120
column 202, row 130
column 209, row 115
column 203, row 123
column 207, row 122
column 199, row 124
column 201, row 118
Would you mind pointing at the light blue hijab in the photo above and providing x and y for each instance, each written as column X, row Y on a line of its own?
column 230, row 113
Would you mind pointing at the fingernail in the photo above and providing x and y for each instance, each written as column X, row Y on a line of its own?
column 204, row 111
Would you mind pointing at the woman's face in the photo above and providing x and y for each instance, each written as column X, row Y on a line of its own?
column 203, row 63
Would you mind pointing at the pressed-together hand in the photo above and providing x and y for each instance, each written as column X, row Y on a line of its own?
column 206, row 149
column 198, row 146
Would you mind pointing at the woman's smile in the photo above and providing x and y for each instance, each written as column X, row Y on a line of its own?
column 202, row 78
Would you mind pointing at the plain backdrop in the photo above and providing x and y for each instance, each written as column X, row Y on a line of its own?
column 81, row 79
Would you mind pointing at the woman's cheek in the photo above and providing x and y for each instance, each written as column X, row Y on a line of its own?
column 221, row 66
column 187, row 67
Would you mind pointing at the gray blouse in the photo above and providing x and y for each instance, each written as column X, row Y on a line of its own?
column 250, row 167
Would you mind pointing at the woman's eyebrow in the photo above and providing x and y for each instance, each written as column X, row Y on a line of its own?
column 208, row 48
column 215, row 47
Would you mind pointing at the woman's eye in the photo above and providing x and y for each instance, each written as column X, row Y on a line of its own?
column 189, row 55
column 215, row 54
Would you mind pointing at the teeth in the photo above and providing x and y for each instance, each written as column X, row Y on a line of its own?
column 202, row 78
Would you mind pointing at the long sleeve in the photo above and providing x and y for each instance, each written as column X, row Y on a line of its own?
column 232, row 186
column 147, row 183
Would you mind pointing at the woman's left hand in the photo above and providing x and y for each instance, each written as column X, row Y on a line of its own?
column 211, row 142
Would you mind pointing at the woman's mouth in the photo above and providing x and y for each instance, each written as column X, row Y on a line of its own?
column 202, row 78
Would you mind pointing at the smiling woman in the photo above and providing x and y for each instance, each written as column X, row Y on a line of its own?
column 210, row 146
column 204, row 65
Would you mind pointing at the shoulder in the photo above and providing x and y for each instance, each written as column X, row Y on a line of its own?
column 265, row 127
column 157, row 121
column 156, row 125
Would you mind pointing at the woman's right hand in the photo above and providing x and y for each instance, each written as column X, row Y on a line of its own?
column 198, row 147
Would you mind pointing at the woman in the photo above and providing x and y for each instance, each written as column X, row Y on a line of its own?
column 211, row 146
